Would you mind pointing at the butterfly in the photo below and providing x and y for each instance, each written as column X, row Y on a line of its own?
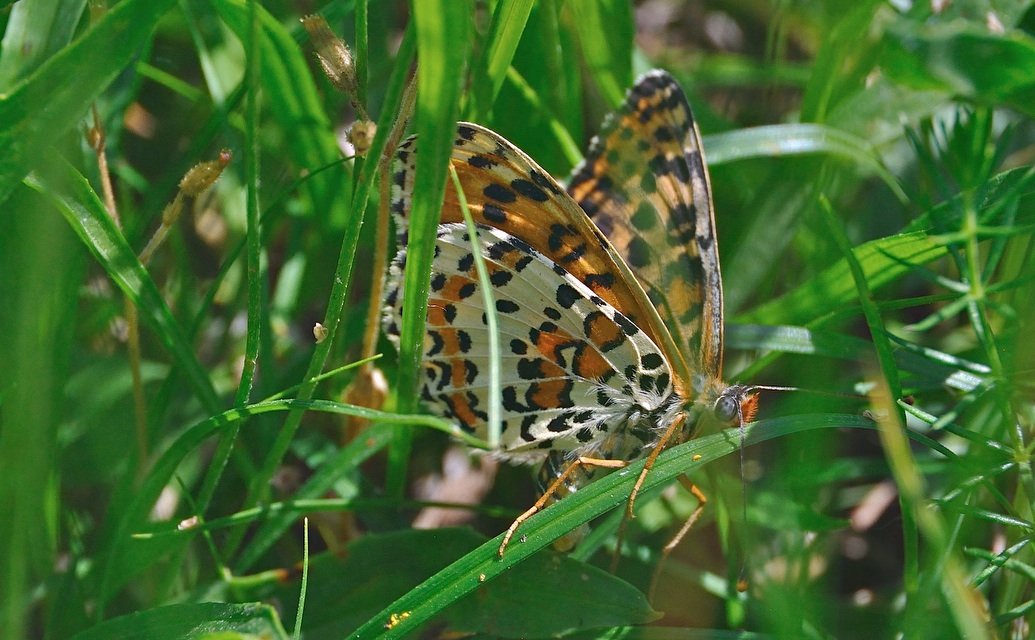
column 608, row 295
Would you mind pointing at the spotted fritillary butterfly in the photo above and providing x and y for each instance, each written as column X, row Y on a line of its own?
column 608, row 294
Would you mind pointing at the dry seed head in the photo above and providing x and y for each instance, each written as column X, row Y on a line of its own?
column 94, row 137
column 335, row 57
column 203, row 175
column 361, row 136
column 320, row 332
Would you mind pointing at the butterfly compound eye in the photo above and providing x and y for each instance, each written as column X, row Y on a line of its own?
column 726, row 407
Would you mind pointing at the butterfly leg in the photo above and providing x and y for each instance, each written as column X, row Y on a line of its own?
column 672, row 430
column 549, row 496
column 702, row 500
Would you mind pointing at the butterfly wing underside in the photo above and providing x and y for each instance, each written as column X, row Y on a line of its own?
column 645, row 185
column 579, row 338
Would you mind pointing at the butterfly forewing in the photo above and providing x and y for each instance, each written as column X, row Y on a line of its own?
column 644, row 184
column 507, row 190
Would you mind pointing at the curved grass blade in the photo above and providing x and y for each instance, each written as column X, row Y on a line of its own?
column 798, row 139
column 296, row 107
column 466, row 574
column 73, row 196
column 508, row 24
column 882, row 261
column 193, row 620
column 606, row 30
column 120, row 563
column 441, row 30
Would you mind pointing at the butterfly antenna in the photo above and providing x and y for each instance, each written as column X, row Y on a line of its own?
column 742, row 583
column 838, row 394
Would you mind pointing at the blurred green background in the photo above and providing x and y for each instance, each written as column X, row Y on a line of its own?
column 872, row 172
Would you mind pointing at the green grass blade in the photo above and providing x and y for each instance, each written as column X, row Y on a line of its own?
column 119, row 563
column 69, row 191
column 481, row 565
column 193, row 620
column 35, row 31
column 42, row 266
column 606, row 29
column 343, row 269
column 798, row 139
column 491, row 321
column 885, row 354
column 345, row 461
column 490, row 71
column 882, row 261
column 257, row 296
column 67, row 84
column 442, row 27
column 569, row 148
column 256, row 284
column 297, row 108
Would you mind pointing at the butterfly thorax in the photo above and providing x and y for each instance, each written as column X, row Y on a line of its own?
column 629, row 431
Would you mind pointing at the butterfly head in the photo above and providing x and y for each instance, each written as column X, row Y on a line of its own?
column 736, row 405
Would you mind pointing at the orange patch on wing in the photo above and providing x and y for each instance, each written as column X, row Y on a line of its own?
column 602, row 330
column 436, row 314
column 458, row 373
column 451, row 289
column 450, row 341
column 550, row 343
column 590, row 364
column 550, row 370
column 586, row 361
column 511, row 259
column 462, row 409
column 550, row 393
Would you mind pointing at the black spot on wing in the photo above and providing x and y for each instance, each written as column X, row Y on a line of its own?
column 627, row 326
column 493, row 213
column 567, row 295
column 500, row 278
column 639, row 252
column 480, row 161
column 499, row 193
column 546, row 183
column 662, row 165
column 597, row 281
column 651, row 361
column 529, row 190
column 507, row 306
